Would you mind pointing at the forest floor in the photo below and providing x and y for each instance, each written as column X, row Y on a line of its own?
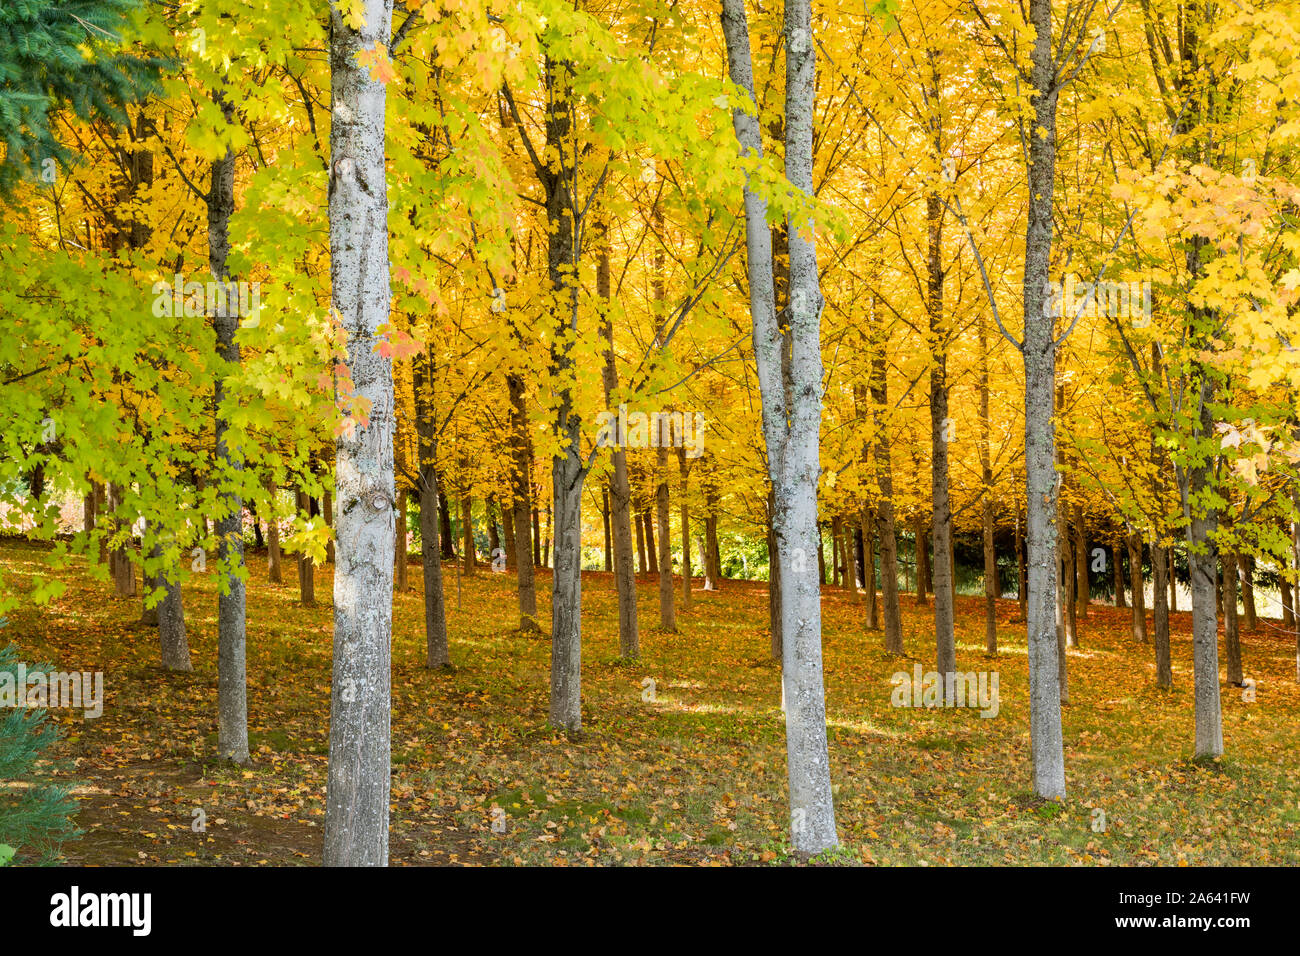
column 694, row 776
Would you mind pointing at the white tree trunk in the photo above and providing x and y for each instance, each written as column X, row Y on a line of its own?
column 356, row 813
column 791, row 433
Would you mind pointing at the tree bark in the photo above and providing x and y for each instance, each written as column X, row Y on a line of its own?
column 1039, row 351
column 1173, row 583
column 1160, row 617
column 651, row 550
column 1083, row 582
column 667, row 610
column 945, row 639
column 306, row 567
column 684, row 470
column 608, row 538
column 640, row 543
column 1117, row 571
column 120, row 557
column 437, row 647
column 357, row 794
column 327, row 509
column 868, row 532
column 508, row 530
column 921, row 547
column 444, row 525
column 467, row 534
column 1250, row 615
column 275, row 572
column 399, row 543
column 620, row 490
column 1138, row 588
column 988, row 525
column 792, row 443
column 232, row 677
column 174, row 643
column 1231, row 632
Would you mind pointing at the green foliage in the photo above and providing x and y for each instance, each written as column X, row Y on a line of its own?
column 35, row 818
column 58, row 54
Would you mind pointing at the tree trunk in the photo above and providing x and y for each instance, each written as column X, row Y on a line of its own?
column 1173, row 583
column 120, row 557
column 640, row 543
column 791, row 429
column 101, row 504
column 1083, row 582
column 715, row 553
column 467, row 534
column 546, row 542
column 706, row 558
column 1039, row 351
column 568, row 470
column 921, row 556
column 1117, row 570
column 357, row 796
column 1138, row 588
column 175, row 645
column 1069, row 559
column 608, row 536
column 853, row 531
column 1022, row 572
column 537, row 538
column 1249, row 613
column 1160, row 617
column 1064, row 578
column 437, row 647
column 667, row 611
column 327, row 507
column 712, row 553
column 444, row 525
column 945, row 639
column 399, row 543
column 869, row 566
column 990, row 581
column 306, row 568
column 684, row 470
column 836, row 561
column 1295, row 588
column 652, row 553
column 275, row 572
column 1203, row 559
column 508, row 531
column 821, row 556
column 774, row 582
column 1231, row 633
column 148, row 584
column 619, row 513
column 232, row 678
column 493, row 533
column 988, row 525
column 884, row 511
